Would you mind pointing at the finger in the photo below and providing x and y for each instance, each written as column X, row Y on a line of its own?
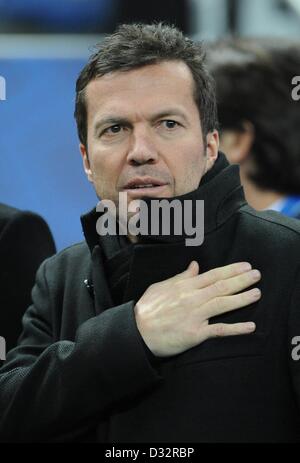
column 223, row 304
column 191, row 271
column 230, row 286
column 220, row 273
column 220, row 330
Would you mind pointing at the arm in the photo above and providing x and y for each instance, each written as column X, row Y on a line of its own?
column 68, row 386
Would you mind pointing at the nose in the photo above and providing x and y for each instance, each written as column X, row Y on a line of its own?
column 142, row 149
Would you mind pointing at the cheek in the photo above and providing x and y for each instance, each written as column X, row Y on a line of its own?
column 99, row 163
column 192, row 167
column 192, row 159
column 105, row 174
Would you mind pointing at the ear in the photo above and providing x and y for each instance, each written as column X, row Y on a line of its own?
column 212, row 149
column 86, row 162
column 237, row 144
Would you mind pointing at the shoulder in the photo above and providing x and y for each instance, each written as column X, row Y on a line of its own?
column 12, row 217
column 24, row 233
column 272, row 220
column 69, row 263
column 6, row 212
column 270, row 227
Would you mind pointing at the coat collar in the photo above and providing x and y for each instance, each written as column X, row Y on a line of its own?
column 220, row 189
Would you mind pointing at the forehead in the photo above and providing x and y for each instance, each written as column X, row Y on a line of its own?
column 148, row 88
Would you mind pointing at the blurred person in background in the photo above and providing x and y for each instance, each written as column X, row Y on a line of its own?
column 259, row 119
column 25, row 241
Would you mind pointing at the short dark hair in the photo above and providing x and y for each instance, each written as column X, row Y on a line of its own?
column 254, row 83
column 136, row 45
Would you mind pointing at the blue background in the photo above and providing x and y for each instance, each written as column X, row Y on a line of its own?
column 40, row 164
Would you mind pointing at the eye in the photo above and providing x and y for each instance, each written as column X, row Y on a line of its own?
column 170, row 124
column 114, row 129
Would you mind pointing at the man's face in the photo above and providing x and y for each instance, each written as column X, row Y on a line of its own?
column 144, row 133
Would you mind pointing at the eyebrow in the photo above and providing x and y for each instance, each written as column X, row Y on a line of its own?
column 115, row 120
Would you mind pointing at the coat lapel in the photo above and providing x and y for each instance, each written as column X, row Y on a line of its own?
column 102, row 295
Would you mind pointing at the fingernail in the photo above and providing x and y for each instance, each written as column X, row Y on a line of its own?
column 251, row 326
column 255, row 274
column 245, row 266
column 256, row 293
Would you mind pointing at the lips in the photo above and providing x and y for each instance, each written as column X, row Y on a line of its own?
column 143, row 182
column 142, row 186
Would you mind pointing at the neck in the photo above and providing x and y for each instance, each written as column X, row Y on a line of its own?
column 258, row 198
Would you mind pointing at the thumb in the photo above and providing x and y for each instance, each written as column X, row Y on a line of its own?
column 193, row 267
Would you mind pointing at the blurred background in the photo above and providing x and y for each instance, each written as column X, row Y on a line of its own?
column 43, row 46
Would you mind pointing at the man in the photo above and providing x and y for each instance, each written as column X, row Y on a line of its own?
column 25, row 241
column 137, row 339
column 260, row 118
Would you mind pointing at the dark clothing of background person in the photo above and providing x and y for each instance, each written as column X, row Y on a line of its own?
column 25, row 241
column 81, row 372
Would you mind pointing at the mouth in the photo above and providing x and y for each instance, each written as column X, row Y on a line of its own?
column 144, row 187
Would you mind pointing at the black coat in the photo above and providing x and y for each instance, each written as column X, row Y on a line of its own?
column 81, row 373
column 25, row 241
